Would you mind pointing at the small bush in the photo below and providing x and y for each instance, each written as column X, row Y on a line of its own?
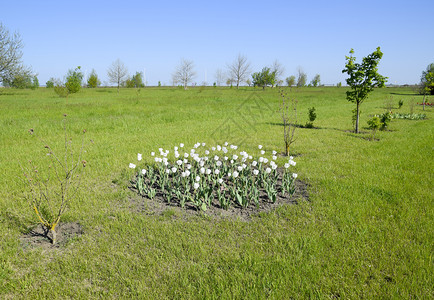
column 312, row 117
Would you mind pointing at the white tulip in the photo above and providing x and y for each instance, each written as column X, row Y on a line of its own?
column 143, row 171
column 132, row 166
column 255, row 172
column 197, row 178
column 235, row 174
column 254, row 163
column 139, row 157
column 260, row 147
column 262, row 152
column 196, row 185
column 294, row 175
column 268, row 170
column 174, row 170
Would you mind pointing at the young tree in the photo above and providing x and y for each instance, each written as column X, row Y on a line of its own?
column 93, row 80
column 363, row 78
column 184, row 73
column 73, row 80
column 264, row 78
column 10, row 57
column 239, row 70
column 290, row 81
column 117, row 73
column 316, row 81
column 301, row 77
column 427, row 80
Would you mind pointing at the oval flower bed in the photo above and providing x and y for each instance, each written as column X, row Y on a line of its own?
column 219, row 176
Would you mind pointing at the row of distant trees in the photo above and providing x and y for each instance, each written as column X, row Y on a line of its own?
column 239, row 72
column 13, row 73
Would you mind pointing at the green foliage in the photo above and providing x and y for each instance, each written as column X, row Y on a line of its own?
column 374, row 124
column 312, row 117
column 159, row 83
column 363, row 78
column 385, row 120
column 73, row 80
column 290, row 81
column 339, row 84
column 136, row 81
column 400, row 103
column 35, row 83
column 50, row 83
column 316, row 81
column 93, row 80
column 21, row 82
column 427, row 80
column 60, row 89
column 264, row 78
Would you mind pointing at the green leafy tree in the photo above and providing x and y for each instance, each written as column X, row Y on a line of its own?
column 290, row 81
column 427, row 80
column 73, row 80
column 93, row 80
column 136, row 81
column 35, row 83
column 50, row 83
column 21, row 81
column 316, row 81
column 363, row 78
column 264, row 78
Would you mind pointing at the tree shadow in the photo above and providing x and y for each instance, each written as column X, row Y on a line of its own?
column 295, row 125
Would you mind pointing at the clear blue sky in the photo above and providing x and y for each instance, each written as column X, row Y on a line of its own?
column 155, row 35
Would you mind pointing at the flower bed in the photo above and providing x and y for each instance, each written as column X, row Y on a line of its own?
column 408, row 116
column 217, row 176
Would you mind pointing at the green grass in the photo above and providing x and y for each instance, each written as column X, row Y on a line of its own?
column 367, row 231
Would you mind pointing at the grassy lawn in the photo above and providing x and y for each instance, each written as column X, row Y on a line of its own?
column 366, row 231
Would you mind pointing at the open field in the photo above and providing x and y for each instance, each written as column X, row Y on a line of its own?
column 366, row 231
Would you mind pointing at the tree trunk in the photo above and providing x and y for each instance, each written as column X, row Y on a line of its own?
column 423, row 101
column 357, row 118
column 286, row 149
column 54, row 235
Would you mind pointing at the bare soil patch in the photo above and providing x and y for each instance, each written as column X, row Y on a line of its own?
column 37, row 237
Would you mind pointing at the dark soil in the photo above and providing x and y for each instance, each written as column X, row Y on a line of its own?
column 159, row 205
column 37, row 237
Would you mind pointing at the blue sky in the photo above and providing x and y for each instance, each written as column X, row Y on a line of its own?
column 155, row 35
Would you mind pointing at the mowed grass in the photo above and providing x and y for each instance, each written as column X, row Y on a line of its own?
column 366, row 231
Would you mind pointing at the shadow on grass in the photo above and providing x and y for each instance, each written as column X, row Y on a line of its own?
column 296, row 125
